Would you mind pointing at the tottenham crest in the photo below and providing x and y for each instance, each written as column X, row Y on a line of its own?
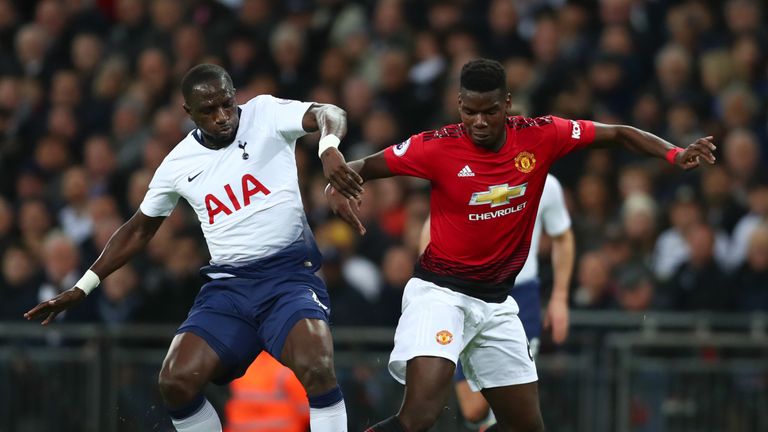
column 525, row 162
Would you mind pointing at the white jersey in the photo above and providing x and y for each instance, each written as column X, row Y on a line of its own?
column 246, row 195
column 554, row 216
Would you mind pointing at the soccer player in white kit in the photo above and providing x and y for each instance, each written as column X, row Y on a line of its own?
column 237, row 170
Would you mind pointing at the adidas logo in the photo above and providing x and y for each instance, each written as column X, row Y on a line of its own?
column 466, row 172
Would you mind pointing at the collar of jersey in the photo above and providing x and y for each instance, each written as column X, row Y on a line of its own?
column 199, row 139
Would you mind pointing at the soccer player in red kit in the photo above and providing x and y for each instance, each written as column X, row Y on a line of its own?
column 487, row 175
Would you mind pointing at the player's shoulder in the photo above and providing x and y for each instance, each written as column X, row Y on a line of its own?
column 258, row 101
column 452, row 132
column 189, row 144
column 520, row 123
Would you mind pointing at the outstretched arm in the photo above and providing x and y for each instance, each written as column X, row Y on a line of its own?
column 648, row 143
column 563, row 251
column 126, row 242
column 332, row 123
column 369, row 168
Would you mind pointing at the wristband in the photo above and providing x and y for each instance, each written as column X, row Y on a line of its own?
column 672, row 154
column 327, row 142
column 88, row 282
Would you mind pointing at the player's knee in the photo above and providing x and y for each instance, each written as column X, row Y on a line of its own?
column 315, row 374
column 177, row 387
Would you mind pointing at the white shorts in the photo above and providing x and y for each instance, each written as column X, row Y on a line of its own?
column 487, row 337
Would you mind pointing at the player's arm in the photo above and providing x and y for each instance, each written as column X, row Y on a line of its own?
column 126, row 242
column 645, row 142
column 369, row 168
column 331, row 121
column 563, row 253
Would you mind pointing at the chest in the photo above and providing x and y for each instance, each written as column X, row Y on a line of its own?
column 488, row 181
column 250, row 166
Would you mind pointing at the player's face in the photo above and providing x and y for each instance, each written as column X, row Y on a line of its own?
column 213, row 108
column 484, row 116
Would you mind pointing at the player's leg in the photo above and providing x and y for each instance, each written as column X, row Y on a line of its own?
column 516, row 407
column 499, row 362
column 216, row 343
column 189, row 365
column 308, row 351
column 429, row 337
column 427, row 387
column 474, row 408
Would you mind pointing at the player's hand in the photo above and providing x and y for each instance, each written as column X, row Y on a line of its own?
column 48, row 310
column 345, row 208
column 343, row 178
column 557, row 318
column 700, row 150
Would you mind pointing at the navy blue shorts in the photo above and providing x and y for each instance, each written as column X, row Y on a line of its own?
column 528, row 298
column 254, row 310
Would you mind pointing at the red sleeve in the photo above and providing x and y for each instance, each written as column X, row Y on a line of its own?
column 572, row 135
column 411, row 157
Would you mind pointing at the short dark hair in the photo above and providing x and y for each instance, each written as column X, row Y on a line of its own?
column 200, row 74
column 483, row 75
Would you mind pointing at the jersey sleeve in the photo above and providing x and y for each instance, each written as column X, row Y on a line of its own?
column 554, row 213
column 285, row 115
column 411, row 157
column 570, row 135
column 161, row 197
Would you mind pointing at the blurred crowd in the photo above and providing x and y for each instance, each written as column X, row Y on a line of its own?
column 90, row 105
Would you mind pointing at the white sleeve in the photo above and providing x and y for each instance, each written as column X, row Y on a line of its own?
column 285, row 115
column 161, row 197
column 554, row 213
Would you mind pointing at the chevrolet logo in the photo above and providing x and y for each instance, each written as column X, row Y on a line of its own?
column 498, row 195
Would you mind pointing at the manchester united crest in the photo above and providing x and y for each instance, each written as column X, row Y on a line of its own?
column 444, row 337
column 525, row 162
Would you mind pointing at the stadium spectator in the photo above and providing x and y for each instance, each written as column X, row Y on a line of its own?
column 757, row 196
column 751, row 288
column 699, row 283
column 671, row 248
column 595, row 289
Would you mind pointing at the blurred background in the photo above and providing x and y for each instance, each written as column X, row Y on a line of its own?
column 670, row 289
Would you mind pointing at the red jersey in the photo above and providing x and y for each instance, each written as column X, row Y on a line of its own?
column 484, row 203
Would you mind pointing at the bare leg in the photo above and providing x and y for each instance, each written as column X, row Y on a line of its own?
column 308, row 351
column 427, row 387
column 516, row 407
column 189, row 365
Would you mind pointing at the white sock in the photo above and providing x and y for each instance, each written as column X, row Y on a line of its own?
column 204, row 420
column 329, row 419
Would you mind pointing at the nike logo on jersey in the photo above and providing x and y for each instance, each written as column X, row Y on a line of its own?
column 466, row 172
column 189, row 179
column 317, row 300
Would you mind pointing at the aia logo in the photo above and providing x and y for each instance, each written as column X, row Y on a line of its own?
column 249, row 187
column 444, row 337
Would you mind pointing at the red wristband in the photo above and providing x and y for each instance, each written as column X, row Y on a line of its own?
column 672, row 154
